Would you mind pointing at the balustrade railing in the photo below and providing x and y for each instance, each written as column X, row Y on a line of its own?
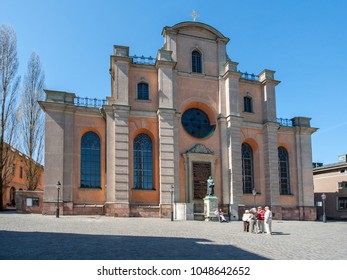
column 143, row 60
column 89, row 102
column 249, row 76
column 284, row 122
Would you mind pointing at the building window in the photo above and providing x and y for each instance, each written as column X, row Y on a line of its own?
column 283, row 171
column 197, row 124
column 342, row 185
column 90, row 161
column 143, row 163
column 13, row 169
column 248, row 104
column 21, row 172
column 196, row 62
column 342, row 202
column 32, row 201
column 247, row 168
column 142, row 91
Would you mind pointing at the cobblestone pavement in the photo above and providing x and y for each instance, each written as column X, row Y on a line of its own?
column 32, row 236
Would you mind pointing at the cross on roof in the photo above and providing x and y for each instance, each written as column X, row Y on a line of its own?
column 194, row 15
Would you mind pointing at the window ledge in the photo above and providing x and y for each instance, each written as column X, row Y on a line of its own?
column 143, row 100
column 134, row 189
column 96, row 188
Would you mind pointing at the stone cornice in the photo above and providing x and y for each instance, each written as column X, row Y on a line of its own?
column 69, row 108
column 165, row 64
column 232, row 74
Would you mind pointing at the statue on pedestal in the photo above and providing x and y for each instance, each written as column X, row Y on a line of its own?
column 210, row 186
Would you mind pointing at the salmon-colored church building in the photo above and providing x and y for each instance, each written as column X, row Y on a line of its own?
column 169, row 123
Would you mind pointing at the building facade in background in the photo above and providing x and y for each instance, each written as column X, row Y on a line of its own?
column 170, row 123
column 331, row 180
column 16, row 180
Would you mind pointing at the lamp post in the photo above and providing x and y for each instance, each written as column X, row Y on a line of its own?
column 254, row 192
column 58, row 189
column 171, row 192
column 323, row 199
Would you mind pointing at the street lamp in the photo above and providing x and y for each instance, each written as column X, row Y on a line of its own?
column 324, row 216
column 254, row 192
column 57, row 211
column 171, row 192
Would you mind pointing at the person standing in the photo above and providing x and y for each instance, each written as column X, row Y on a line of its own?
column 253, row 221
column 246, row 219
column 268, row 220
column 260, row 220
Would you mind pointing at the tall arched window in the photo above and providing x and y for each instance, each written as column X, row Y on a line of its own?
column 247, row 168
column 283, row 170
column 142, row 91
column 143, row 163
column 90, row 161
column 196, row 62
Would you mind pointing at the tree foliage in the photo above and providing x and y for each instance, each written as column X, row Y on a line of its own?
column 31, row 120
column 9, row 84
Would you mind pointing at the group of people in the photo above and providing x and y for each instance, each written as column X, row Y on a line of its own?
column 258, row 220
column 254, row 220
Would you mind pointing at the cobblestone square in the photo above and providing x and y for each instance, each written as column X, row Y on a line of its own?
column 38, row 237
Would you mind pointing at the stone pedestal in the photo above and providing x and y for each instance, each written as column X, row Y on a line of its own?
column 184, row 211
column 210, row 206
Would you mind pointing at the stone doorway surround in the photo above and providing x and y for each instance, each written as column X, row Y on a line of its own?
column 201, row 154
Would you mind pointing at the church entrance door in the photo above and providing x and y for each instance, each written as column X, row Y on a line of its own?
column 201, row 172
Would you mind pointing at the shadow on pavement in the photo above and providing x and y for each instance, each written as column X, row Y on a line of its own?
column 69, row 246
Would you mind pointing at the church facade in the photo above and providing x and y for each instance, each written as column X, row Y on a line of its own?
column 168, row 125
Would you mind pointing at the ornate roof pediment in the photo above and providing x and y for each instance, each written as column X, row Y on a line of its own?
column 200, row 149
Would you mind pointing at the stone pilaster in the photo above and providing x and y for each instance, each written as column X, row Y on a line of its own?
column 67, row 184
column 229, row 99
column 121, row 159
column 268, row 83
column 222, row 124
column 119, row 68
column 167, row 158
column 235, row 166
column 271, row 164
column 59, row 124
column 168, row 132
column 165, row 66
column 110, row 188
column 303, row 132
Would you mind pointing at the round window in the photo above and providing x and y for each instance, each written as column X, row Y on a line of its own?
column 196, row 123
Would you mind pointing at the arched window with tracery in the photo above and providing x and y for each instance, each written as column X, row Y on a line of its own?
column 143, row 162
column 196, row 62
column 90, row 161
column 283, row 170
column 247, row 168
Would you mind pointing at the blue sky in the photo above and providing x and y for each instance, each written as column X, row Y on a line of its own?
column 305, row 42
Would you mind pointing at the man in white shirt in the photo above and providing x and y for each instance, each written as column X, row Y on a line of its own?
column 268, row 220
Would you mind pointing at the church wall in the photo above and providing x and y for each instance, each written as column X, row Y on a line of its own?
column 149, row 126
column 147, row 74
column 253, row 90
column 201, row 93
column 85, row 123
column 208, row 50
column 254, row 137
column 287, row 140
